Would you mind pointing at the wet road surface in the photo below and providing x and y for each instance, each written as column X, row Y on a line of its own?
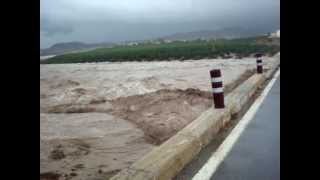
column 256, row 154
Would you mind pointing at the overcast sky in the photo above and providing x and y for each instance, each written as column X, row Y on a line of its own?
column 120, row 20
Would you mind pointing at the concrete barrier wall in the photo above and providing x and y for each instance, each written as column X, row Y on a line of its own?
column 167, row 160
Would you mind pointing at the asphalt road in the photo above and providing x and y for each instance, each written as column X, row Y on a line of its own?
column 256, row 154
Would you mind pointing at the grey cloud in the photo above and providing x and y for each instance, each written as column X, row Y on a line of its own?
column 50, row 28
column 118, row 20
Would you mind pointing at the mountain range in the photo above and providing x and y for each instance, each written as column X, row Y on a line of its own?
column 227, row 33
column 67, row 47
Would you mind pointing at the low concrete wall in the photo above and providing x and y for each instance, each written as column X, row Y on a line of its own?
column 167, row 160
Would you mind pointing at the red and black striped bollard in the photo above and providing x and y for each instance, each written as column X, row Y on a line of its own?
column 259, row 65
column 217, row 88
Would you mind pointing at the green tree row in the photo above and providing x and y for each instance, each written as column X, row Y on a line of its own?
column 168, row 51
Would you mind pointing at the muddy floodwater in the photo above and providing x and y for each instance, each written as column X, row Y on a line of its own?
column 98, row 118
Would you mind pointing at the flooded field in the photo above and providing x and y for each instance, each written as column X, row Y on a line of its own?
column 99, row 118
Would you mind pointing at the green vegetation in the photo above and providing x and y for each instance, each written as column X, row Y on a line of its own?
column 175, row 50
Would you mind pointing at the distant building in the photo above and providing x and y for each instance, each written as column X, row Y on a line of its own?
column 133, row 43
column 278, row 33
column 275, row 34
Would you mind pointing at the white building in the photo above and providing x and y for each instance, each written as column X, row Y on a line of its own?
column 278, row 33
column 275, row 34
column 133, row 44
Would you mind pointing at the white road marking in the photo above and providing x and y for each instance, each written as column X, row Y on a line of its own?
column 206, row 172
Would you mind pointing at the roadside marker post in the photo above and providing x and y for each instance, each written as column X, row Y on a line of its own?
column 217, row 88
column 259, row 64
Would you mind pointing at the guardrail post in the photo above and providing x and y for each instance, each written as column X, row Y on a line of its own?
column 217, row 88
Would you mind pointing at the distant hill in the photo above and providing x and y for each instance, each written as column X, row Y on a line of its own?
column 227, row 33
column 67, row 47
column 175, row 50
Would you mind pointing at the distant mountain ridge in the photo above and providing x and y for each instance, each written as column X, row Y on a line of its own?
column 227, row 33
column 67, row 47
